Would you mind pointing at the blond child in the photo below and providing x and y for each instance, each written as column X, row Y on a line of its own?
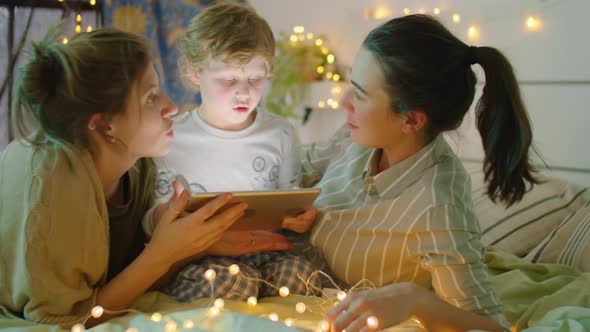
column 229, row 144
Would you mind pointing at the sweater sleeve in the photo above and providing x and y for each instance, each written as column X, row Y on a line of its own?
column 65, row 245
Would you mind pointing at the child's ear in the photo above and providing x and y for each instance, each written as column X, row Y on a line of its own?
column 195, row 78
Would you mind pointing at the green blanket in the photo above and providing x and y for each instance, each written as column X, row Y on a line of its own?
column 539, row 294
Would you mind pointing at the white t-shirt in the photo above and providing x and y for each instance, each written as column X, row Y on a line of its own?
column 262, row 156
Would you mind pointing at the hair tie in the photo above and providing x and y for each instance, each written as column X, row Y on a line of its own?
column 471, row 56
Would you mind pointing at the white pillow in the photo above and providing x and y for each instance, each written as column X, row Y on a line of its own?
column 567, row 243
column 521, row 227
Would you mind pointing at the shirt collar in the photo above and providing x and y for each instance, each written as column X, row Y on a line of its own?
column 391, row 182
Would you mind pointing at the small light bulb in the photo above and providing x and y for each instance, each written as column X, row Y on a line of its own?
column 341, row 295
column 321, row 104
column 336, row 77
column 97, row 311
column 532, row 23
column 473, row 32
column 78, row 18
column 289, row 322
column 234, row 269
column 219, row 303
column 156, row 317
column 436, row 11
column 213, row 311
column 284, row 291
column 407, row 11
column 324, row 326
column 78, row 328
column 89, row 29
column 298, row 29
column 273, row 316
column 330, row 58
column 209, row 275
column 325, row 50
column 92, row 2
column 373, row 322
column 309, row 35
column 78, row 28
column 329, row 75
column 300, row 307
column 319, row 42
column 320, row 69
column 188, row 324
column 170, row 326
column 293, row 38
column 132, row 329
column 336, row 90
column 456, row 18
column 252, row 301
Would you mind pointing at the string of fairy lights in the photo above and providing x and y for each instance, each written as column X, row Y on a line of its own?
column 217, row 306
column 78, row 22
column 327, row 71
column 531, row 23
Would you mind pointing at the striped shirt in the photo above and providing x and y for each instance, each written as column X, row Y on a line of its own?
column 412, row 222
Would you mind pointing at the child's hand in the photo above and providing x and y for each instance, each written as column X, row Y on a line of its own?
column 238, row 243
column 302, row 222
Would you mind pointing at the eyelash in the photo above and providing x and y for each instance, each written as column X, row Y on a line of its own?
column 152, row 99
column 253, row 81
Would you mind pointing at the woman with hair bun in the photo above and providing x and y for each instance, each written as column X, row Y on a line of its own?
column 74, row 189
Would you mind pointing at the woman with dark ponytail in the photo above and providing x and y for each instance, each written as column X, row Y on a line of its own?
column 395, row 205
column 75, row 190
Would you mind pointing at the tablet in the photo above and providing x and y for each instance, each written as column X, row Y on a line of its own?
column 266, row 209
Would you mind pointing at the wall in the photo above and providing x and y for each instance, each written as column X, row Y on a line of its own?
column 551, row 63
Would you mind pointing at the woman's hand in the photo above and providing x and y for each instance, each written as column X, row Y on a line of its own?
column 160, row 209
column 237, row 243
column 300, row 223
column 391, row 305
column 180, row 235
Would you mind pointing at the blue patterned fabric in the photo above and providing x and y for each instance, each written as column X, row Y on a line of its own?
column 162, row 22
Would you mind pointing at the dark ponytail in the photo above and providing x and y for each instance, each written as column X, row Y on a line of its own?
column 505, row 129
column 427, row 68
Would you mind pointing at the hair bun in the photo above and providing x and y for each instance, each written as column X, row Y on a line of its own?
column 41, row 74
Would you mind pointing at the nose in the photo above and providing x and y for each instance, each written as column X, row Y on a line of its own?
column 345, row 99
column 243, row 92
column 170, row 109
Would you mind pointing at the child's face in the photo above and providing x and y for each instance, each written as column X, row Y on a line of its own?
column 230, row 93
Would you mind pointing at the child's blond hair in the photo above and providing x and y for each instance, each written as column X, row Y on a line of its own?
column 228, row 31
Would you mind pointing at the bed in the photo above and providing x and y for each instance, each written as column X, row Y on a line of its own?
column 536, row 256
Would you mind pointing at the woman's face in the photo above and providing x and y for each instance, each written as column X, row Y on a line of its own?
column 145, row 127
column 370, row 119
